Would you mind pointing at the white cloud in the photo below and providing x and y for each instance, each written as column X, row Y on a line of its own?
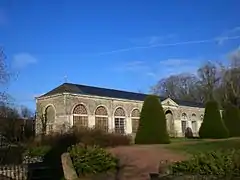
column 22, row 60
column 151, row 74
column 150, row 40
column 175, row 62
column 227, row 35
column 154, row 42
column 133, row 66
column 160, row 69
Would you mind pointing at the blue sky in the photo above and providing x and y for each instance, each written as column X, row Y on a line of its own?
column 126, row 45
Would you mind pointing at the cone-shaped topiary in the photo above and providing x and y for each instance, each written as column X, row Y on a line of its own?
column 232, row 120
column 212, row 125
column 152, row 124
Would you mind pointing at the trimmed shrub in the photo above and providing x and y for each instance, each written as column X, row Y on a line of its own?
column 221, row 163
column 152, row 124
column 89, row 160
column 212, row 125
column 231, row 117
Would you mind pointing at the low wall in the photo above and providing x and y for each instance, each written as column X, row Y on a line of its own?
column 68, row 168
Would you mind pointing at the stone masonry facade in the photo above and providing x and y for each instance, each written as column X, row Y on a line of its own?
column 63, row 104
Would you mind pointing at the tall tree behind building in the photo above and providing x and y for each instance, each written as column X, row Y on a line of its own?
column 210, row 81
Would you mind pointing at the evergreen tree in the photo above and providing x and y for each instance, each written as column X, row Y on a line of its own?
column 212, row 125
column 152, row 125
column 231, row 117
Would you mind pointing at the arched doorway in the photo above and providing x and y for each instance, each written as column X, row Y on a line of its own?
column 50, row 119
column 170, row 122
column 184, row 123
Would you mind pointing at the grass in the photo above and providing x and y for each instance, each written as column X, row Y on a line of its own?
column 181, row 140
column 197, row 145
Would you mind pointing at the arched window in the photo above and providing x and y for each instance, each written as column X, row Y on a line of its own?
column 201, row 117
column 135, row 116
column 184, row 116
column 101, row 118
column 80, row 116
column 50, row 118
column 119, row 120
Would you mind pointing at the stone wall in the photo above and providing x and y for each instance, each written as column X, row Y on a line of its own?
column 64, row 104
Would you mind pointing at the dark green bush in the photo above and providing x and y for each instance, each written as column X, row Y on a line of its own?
column 221, row 163
column 38, row 151
column 89, row 160
column 152, row 125
column 231, row 117
column 212, row 125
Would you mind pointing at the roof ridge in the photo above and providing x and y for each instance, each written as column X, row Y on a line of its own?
column 109, row 92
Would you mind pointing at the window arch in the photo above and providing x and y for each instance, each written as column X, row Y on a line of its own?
column 135, row 116
column 184, row 116
column 49, row 118
column 101, row 118
column 80, row 116
column 194, row 117
column 119, row 120
column 201, row 117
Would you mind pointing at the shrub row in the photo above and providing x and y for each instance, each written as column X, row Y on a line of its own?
column 60, row 143
column 87, row 136
column 221, row 163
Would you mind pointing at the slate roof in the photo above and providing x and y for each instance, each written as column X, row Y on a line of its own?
column 112, row 93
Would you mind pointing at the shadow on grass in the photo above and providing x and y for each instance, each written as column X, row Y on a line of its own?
column 205, row 146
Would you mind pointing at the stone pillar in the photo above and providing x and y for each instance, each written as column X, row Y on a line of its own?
column 178, row 128
column 70, row 117
column 110, row 123
column 128, row 125
column 111, row 117
column 91, row 121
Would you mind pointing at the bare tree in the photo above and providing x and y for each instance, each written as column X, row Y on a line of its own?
column 26, row 112
column 4, row 76
column 41, row 120
column 182, row 86
column 209, row 79
column 230, row 88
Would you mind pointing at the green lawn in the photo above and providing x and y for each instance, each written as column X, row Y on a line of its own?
column 180, row 140
column 195, row 146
